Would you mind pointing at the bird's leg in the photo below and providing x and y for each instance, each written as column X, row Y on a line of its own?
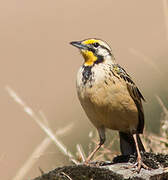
column 102, row 137
column 139, row 157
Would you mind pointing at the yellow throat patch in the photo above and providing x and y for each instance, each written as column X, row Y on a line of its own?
column 89, row 56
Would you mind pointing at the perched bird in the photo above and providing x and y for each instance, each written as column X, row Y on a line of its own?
column 109, row 97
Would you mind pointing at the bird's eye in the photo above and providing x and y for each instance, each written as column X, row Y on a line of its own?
column 96, row 44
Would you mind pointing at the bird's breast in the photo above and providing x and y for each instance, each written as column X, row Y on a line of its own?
column 89, row 76
column 106, row 100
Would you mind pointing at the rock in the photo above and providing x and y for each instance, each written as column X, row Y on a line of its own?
column 118, row 169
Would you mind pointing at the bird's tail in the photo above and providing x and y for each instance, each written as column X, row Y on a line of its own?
column 127, row 144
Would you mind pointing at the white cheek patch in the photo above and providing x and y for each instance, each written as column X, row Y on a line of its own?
column 106, row 45
column 102, row 52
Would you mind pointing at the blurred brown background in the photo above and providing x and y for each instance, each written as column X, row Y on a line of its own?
column 40, row 65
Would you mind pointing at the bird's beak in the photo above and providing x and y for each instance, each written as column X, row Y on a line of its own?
column 78, row 44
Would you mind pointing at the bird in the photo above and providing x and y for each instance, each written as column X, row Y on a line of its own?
column 110, row 98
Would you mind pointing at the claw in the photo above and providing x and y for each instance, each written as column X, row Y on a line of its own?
column 140, row 164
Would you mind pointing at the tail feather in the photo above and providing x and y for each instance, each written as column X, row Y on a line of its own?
column 127, row 144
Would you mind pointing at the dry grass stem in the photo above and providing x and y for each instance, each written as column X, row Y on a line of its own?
column 146, row 141
column 38, row 120
column 32, row 159
column 44, row 118
column 164, row 119
column 158, row 138
column 81, row 152
column 165, row 110
column 64, row 130
column 66, row 175
column 158, row 143
column 40, row 149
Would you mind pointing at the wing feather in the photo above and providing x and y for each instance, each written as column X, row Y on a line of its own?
column 134, row 93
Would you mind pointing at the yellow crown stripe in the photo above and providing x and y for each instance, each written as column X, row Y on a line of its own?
column 90, row 41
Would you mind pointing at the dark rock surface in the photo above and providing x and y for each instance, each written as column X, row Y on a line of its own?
column 118, row 169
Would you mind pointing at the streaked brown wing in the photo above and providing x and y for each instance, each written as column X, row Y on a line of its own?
column 134, row 93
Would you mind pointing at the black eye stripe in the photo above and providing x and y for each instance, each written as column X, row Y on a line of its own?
column 96, row 44
column 94, row 50
column 91, row 49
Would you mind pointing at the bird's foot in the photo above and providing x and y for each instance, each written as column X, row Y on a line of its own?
column 140, row 164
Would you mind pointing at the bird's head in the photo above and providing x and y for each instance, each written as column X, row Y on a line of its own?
column 94, row 51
